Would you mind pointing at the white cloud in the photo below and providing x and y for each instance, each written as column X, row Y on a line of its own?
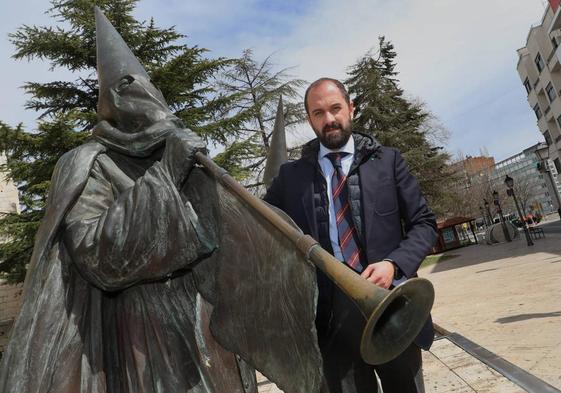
column 453, row 55
column 458, row 56
column 442, row 45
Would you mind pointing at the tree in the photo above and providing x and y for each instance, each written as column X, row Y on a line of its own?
column 525, row 193
column 469, row 192
column 67, row 109
column 257, row 89
column 382, row 110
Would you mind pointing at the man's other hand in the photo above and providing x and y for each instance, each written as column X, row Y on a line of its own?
column 380, row 273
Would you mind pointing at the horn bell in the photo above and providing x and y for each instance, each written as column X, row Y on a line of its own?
column 393, row 318
column 394, row 322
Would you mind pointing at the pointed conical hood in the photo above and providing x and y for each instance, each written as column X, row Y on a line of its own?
column 114, row 58
column 278, row 154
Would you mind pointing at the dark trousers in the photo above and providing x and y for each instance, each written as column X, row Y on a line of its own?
column 344, row 370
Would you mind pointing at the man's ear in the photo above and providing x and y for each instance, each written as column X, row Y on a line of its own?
column 352, row 109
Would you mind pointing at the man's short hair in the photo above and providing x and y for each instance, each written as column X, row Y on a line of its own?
column 318, row 82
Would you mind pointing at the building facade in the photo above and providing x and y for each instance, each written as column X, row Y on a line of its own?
column 10, row 295
column 471, row 170
column 477, row 178
column 9, row 201
column 534, row 190
column 539, row 68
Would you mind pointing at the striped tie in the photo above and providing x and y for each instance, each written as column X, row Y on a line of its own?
column 348, row 238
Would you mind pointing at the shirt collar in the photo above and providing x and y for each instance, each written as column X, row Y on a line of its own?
column 349, row 147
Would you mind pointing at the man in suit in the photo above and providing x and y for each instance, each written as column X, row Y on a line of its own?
column 359, row 201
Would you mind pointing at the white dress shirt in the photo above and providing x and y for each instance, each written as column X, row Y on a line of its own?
column 327, row 170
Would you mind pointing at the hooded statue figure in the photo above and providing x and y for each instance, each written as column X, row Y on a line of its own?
column 141, row 254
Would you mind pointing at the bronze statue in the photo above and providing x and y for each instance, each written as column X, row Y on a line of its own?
column 142, row 254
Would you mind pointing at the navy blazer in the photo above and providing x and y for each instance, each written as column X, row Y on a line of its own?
column 397, row 222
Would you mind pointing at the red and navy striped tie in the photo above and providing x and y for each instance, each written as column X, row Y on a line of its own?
column 348, row 238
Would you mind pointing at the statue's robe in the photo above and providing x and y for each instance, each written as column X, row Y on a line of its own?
column 123, row 270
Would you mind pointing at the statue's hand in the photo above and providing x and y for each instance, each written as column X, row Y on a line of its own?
column 179, row 153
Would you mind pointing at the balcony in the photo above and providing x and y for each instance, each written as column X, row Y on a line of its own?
column 558, row 143
column 548, row 114
column 554, row 61
column 556, row 22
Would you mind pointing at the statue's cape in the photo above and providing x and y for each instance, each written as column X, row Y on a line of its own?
column 263, row 289
column 263, row 292
column 38, row 336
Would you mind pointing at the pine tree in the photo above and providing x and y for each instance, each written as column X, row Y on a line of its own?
column 257, row 88
column 67, row 108
column 382, row 110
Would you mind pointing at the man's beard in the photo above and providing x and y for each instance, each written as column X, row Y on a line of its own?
column 335, row 135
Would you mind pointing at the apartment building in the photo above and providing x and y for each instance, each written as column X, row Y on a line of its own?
column 536, row 192
column 478, row 177
column 471, row 170
column 539, row 68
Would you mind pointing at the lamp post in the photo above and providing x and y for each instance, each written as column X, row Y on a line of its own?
column 488, row 212
column 509, row 182
column 499, row 210
column 483, row 215
column 542, row 151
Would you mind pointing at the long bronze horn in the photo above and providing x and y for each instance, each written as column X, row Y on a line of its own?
column 394, row 318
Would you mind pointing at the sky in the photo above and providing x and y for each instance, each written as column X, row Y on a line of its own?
column 458, row 57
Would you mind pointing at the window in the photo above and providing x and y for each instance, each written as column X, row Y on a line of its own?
column 527, row 85
column 557, row 165
column 554, row 42
column 538, row 112
column 547, row 137
column 550, row 92
column 539, row 62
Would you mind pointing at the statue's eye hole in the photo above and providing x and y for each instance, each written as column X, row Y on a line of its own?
column 125, row 82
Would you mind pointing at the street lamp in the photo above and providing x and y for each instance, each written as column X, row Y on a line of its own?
column 488, row 212
column 499, row 210
column 542, row 151
column 509, row 182
column 483, row 215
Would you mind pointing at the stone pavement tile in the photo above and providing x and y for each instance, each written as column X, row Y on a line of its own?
column 483, row 379
column 439, row 379
column 457, row 361
column 461, row 366
column 548, row 367
column 468, row 376
column 554, row 379
column 260, row 377
column 264, row 385
column 444, row 348
column 268, row 387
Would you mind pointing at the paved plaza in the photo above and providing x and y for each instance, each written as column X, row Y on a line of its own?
column 505, row 298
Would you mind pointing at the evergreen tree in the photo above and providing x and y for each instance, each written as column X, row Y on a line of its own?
column 257, row 89
column 382, row 111
column 67, row 108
